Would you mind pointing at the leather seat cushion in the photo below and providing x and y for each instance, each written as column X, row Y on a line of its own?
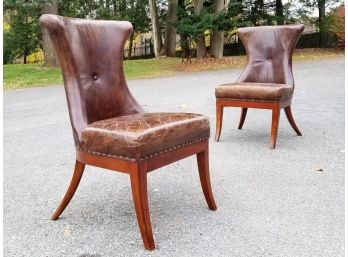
column 255, row 91
column 139, row 136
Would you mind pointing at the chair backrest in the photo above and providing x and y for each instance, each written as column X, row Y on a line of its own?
column 90, row 54
column 269, row 52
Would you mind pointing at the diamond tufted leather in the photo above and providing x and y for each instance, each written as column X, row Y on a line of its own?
column 255, row 91
column 138, row 136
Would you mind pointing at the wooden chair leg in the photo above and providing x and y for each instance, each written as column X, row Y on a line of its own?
column 219, row 117
column 138, row 177
column 291, row 120
column 203, row 167
column 75, row 180
column 275, row 124
column 242, row 117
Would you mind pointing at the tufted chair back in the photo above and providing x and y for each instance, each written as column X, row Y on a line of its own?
column 90, row 54
column 269, row 51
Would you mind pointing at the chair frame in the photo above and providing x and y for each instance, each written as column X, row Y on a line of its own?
column 138, row 178
column 274, row 106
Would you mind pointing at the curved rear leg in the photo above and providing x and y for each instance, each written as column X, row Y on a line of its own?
column 203, row 167
column 242, row 117
column 291, row 120
column 75, row 180
column 219, row 117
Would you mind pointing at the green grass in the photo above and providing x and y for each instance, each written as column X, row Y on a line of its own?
column 146, row 68
column 32, row 75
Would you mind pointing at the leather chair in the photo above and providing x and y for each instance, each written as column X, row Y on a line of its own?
column 110, row 128
column 267, row 81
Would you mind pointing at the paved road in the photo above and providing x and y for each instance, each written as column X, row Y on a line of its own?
column 270, row 203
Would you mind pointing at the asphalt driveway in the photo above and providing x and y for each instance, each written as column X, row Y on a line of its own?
column 283, row 202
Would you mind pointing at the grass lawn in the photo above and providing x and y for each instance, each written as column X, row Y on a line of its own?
column 31, row 75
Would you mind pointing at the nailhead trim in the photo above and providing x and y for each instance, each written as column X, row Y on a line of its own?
column 146, row 157
column 248, row 100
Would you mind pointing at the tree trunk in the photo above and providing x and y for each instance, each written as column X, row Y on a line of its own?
column 322, row 36
column 217, row 37
column 279, row 12
column 257, row 12
column 49, row 53
column 131, row 38
column 170, row 36
column 200, row 41
column 25, row 57
column 156, row 33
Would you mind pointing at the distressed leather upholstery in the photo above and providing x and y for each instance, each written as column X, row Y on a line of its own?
column 139, row 136
column 110, row 128
column 255, row 91
column 268, row 74
column 105, row 117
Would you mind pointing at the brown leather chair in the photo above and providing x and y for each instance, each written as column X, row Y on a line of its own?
column 110, row 128
column 267, row 81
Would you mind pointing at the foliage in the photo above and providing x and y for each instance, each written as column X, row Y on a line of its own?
column 134, row 11
column 22, row 37
column 193, row 26
column 336, row 25
column 36, row 57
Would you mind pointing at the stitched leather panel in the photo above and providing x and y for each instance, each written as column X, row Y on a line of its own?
column 140, row 135
column 255, row 91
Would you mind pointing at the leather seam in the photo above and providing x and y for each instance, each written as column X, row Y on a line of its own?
column 170, row 149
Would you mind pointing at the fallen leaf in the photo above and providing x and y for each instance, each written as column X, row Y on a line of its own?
column 67, row 231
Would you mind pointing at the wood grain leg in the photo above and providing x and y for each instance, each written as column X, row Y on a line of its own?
column 219, row 117
column 75, row 180
column 275, row 124
column 242, row 117
column 291, row 120
column 138, row 177
column 203, row 167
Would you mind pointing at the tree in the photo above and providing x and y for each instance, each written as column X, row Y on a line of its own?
column 200, row 40
column 321, row 22
column 336, row 25
column 23, row 36
column 208, row 21
column 279, row 12
column 49, row 53
column 134, row 11
column 156, row 33
column 170, row 35
column 322, row 7
column 217, row 36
